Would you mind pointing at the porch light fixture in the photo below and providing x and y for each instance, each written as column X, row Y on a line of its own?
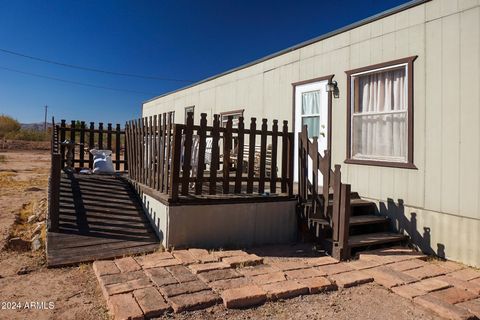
column 333, row 87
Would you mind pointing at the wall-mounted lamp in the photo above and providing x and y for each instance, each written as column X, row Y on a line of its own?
column 333, row 87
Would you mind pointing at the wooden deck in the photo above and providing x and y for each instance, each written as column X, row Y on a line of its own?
column 100, row 217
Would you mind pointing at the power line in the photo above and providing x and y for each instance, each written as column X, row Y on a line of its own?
column 73, row 82
column 73, row 66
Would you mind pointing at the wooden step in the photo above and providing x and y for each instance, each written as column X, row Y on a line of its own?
column 371, row 239
column 355, row 220
column 367, row 219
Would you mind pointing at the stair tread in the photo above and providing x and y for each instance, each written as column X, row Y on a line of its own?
column 367, row 219
column 374, row 238
column 356, row 202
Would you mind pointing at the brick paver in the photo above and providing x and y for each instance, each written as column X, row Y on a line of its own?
column 216, row 275
column 388, row 277
column 351, row 279
column 320, row 261
column 268, row 278
column 183, row 288
column 185, row 257
column 431, row 284
column 127, row 286
column 228, row 253
column 181, row 273
column 285, row 289
column 473, row 306
column 304, row 273
column 202, row 255
column 336, row 268
column 151, row 302
column 258, row 269
column 204, row 267
column 428, row 271
column 365, row 264
column 290, row 265
column 454, row 295
column 408, row 265
column 244, row 297
column 124, row 306
column 221, row 285
column 195, row 279
column 156, row 261
column 160, row 276
column 105, row 267
column 318, row 284
column 127, row 264
column 445, row 310
column 243, row 260
column 194, row 301
column 465, row 274
column 466, row 285
column 408, row 291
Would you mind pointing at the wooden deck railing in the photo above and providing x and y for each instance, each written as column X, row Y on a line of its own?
column 336, row 209
column 109, row 138
column 54, row 182
column 187, row 159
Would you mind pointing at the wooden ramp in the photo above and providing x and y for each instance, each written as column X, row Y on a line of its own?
column 101, row 217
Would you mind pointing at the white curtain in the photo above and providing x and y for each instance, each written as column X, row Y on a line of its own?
column 311, row 106
column 382, row 133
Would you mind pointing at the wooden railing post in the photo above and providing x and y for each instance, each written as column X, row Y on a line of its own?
column 214, row 165
column 202, row 137
column 251, row 155
column 175, row 165
column 344, row 222
column 227, row 147
column 187, row 154
column 337, row 181
column 273, row 164
column 263, row 156
column 54, row 192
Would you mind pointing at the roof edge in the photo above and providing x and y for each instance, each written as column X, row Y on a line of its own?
column 330, row 34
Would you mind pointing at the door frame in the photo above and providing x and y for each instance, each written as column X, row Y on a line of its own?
column 329, row 78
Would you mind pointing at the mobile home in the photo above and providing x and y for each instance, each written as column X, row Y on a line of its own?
column 395, row 98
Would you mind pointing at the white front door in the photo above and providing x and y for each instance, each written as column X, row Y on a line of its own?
column 311, row 109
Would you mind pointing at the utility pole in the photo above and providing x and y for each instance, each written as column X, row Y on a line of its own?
column 45, row 122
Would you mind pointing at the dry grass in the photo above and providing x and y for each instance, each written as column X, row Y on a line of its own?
column 2, row 158
column 21, row 228
column 9, row 182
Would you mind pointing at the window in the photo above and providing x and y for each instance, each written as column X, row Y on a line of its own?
column 188, row 110
column 380, row 103
column 235, row 116
column 310, row 113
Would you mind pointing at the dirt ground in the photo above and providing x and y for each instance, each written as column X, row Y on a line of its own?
column 73, row 293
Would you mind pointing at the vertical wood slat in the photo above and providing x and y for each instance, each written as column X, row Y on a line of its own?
column 138, row 153
column 149, row 142
column 109, row 136
column 291, row 155
column 162, row 122
column 117, row 147
column 72, row 138
column 82, row 144
column 176, row 155
column 314, row 171
column 273, row 164
column 344, row 221
column 154, row 152
column 187, row 154
column 326, row 181
column 263, row 156
column 62, row 139
column 127, row 137
column 240, row 146
column 214, row 163
column 125, row 155
column 285, row 156
column 168, row 154
column 144, row 150
column 251, row 155
column 202, row 136
column 336, row 202
column 227, row 146
column 91, row 144
column 100, row 135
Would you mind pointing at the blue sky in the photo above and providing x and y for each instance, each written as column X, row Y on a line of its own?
column 185, row 40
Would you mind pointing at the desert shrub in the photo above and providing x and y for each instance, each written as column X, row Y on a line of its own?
column 8, row 125
column 27, row 134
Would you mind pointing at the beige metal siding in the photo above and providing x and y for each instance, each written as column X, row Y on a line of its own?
column 444, row 192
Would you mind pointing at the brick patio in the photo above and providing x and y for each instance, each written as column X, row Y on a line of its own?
column 151, row 285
